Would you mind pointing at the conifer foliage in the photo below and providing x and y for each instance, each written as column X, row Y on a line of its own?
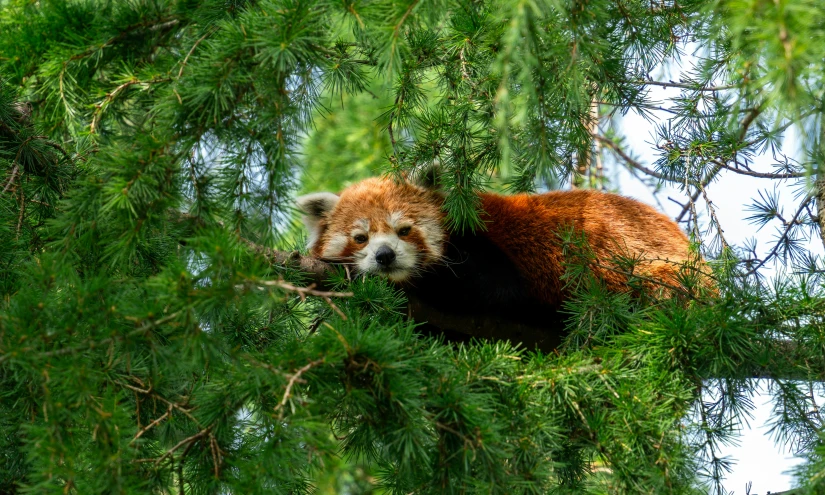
column 150, row 341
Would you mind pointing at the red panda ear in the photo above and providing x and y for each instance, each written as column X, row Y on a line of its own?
column 314, row 207
column 426, row 176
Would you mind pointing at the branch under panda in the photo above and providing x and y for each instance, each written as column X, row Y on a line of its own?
column 484, row 325
column 545, row 337
column 454, row 327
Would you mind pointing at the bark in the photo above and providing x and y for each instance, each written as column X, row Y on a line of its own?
column 820, row 207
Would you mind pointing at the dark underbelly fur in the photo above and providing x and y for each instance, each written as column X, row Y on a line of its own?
column 477, row 277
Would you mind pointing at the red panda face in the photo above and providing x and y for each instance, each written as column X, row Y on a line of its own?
column 376, row 226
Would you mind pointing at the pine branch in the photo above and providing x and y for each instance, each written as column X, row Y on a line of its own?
column 628, row 159
column 456, row 327
column 295, row 377
column 91, row 344
column 192, row 50
column 789, row 225
column 151, row 25
column 185, row 441
column 761, row 175
column 154, row 423
column 13, row 176
column 101, row 107
column 695, row 195
column 311, row 291
column 714, row 218
column 694, row 87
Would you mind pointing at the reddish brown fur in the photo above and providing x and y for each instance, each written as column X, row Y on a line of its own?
column 372, row 199
column 526, row 229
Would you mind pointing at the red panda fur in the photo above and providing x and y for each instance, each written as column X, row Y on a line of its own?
column 519, row 246
column 526, row 227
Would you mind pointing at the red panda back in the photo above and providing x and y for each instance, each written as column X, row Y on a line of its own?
column 526, row 228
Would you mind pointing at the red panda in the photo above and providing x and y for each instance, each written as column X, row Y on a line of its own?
column 397, row 230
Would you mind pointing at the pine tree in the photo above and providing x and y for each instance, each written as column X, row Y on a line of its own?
column 157, row 335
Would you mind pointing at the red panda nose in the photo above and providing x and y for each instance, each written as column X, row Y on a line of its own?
column 384, row 256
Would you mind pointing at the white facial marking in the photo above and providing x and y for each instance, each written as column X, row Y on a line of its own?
column 394, row 219
column 433, row 235
column 406, row 257
column 362, row 223
column 335, row 246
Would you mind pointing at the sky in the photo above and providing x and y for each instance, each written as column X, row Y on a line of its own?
column 759, row 460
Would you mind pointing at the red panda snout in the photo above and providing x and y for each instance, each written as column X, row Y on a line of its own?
column 388, row 255
column 384, row 256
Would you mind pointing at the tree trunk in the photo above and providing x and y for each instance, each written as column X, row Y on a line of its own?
column 820, row 206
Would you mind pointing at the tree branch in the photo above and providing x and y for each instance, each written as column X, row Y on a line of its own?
column 455, row 327
column 782, row 238
column 295, row 377
column 761, row 175
column 192, row 50
column 154, row 423
column 820, row 206
column 151, row 25
column 11, row 179
column 694, row 87
column 109, row 98
column 627, row 158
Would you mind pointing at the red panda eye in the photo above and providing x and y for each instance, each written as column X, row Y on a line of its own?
column 360, row 239
column 404, row 231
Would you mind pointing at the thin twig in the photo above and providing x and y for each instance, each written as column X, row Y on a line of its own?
column 357, row 17
column 819, row 194
column 153, row 423
column 213, row 443
column 761, row 175
column 305, row 291
column 313, row 326
column 404, row 18
column 292, row 380
column 713, row 217
column 694, row 87
column 183, row 442
column 91, row 344
column 13, row 176
column 748, row 120
column 55, row 146
column 390, row 131
column 100, row 107
column 174, row 405
column 22, row 210
column 216, row 456
column 310, row 291
column 164, row 23
column 630, row 161
column 781, row 239
column 695, row 195
column 191, row 50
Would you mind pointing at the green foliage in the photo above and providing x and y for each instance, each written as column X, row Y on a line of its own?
column 150, row 151
column 346, row 143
